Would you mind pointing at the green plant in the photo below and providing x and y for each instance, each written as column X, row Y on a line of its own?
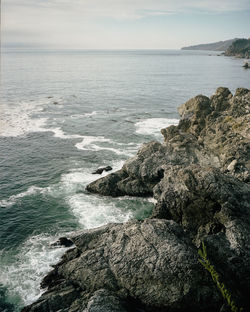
column 215, row 276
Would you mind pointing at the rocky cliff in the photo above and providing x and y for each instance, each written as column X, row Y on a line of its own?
column 215, row 46
column 239, row 48
column 200, row 178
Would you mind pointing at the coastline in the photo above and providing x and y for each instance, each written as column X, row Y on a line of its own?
column 200, row 178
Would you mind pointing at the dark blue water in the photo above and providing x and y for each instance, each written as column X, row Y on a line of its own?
column 62, row 115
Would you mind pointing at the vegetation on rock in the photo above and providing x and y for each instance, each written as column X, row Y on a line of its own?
column 239, row 48
column 215, row 276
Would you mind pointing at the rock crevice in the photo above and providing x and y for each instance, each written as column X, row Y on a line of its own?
column 200, row 179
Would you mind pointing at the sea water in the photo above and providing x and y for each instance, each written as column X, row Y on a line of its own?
column 65, row 113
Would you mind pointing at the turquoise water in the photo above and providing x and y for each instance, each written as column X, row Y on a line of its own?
column 62, row 115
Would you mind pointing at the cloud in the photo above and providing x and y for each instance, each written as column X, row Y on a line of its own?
column 128, row 8
column 59, row 21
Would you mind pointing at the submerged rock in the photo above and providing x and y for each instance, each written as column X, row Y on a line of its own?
column 200, row 178
column 246, row 65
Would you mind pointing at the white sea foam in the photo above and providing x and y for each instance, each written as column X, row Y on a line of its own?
column 154, row 125
column 88, row 143
column 70, row 183
column 59, row 133
column 23, row 273
column 78, row 178
column 17, row 120
column 93, row 211
column 76, row 116
column 152, row 200
column 21, row 125
column 90, row 114
column 13, row 199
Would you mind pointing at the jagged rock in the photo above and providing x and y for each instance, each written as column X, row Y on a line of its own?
column 211, row 132
column 100, row 170
column 239, row 48
column 152, row 261
column 104, row 301
column 201, row 199
column 63, row 241
column 200, row 178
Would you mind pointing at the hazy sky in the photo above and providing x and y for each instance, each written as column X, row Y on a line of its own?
column 122, row 24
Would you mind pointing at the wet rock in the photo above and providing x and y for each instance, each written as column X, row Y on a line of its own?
column 63, row 241
column 152, row 261
column 246, row 65
column 100, row 170
column 105, row 301
column 200, row 179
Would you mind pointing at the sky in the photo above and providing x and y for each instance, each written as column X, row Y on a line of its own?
column 122, row 24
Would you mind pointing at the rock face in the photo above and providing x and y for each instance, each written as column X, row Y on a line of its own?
column 215, row 46
column 153, row 262
column 239, row 48
column 200, row 178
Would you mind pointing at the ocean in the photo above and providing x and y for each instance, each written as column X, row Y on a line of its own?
column 65, row 113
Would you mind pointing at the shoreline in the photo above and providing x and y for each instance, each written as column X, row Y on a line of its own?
column 200, row 179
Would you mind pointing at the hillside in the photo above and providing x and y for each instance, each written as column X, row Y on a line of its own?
column 239, row 48
column 215, row 46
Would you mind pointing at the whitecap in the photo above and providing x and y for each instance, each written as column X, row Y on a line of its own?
column 17, row 120
column 93, row 211
column 152, row 200
column 77, row 179
column 83, row 115
column 23, row 273
column 21, row 125
column 13, row 199
column 153, row 126
column 88, row 144
column 59, row 133
column 90, row 114
column 88, row 140
column 70, row 183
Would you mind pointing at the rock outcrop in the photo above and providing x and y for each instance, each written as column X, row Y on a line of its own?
column 215, row 46
column 200, row 178
column 239, row 48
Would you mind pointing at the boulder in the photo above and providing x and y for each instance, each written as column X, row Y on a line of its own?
column 100, row 170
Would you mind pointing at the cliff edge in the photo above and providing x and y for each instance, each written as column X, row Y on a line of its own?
column 239, row 48
column 200, row 178
column 214, row 46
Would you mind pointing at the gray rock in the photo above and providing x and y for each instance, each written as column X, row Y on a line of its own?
column 153, row 262
column 104, row 301
column 100, row 170
column 200, row 178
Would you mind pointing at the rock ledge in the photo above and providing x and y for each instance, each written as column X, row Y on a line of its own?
column 200, row 178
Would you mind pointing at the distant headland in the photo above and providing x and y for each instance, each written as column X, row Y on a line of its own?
column 239, row 48
column 233, row 47
column 215, row 46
